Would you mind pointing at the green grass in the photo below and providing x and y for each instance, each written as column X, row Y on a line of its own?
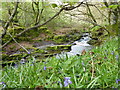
column 99, row 70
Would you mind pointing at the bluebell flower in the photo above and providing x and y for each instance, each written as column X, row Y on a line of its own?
column 3, row 83
column 117, row 81
column 117, row 57
column 45, row 67
column 15, row 65
column 60, row 84
column 112, row 52
column 113, row 87
column 23, row 61
column 29, row 53
column 67, row 81
column 83, row 64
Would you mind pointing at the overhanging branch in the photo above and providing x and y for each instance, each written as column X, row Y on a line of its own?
column 10, row 19
column 39, row 25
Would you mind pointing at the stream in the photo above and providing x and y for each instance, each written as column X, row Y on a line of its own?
column 78, row 47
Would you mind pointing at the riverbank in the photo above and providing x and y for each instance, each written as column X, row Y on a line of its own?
column 97, row 68
column 54, row 42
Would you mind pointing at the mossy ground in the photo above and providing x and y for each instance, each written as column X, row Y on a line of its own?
column 37, row 36
column 43, row 34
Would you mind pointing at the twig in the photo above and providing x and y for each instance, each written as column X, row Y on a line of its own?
column 86, row 20
column 97, row 9
column 6, row 43
column 95, row 24
column 18, row 43
column 100, row 11
column 24, row 10
column 91, row 13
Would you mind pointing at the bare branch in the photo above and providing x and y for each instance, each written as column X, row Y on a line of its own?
column 95, row 24
column 18, row 43
column 39, row 25
column 10, row 19
column 73, row 7
column 91, row 13
column 97, row 9
column 7, row 42
column 40, row 15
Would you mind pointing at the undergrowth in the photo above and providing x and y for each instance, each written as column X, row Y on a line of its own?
column 97, row 68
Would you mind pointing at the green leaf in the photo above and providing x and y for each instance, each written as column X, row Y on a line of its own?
column 95, row 28
column 113, row 6
column 54, row 5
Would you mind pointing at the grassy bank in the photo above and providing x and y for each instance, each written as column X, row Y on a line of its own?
column 97, row 68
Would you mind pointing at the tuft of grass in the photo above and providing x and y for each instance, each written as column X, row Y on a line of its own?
column 96, row 70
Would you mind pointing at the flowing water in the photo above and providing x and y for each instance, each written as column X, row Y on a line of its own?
column 78, row 48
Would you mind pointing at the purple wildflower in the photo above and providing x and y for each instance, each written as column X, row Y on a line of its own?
column 60, row 84
column 29, row 53
column 23, row 61
column 117, row 81
column 45, row 67
column 67, row 81
column 15, row 65
column 113, row 87
column 3, row 83
column 83, row 63
column 117, row 56
column 112, row 52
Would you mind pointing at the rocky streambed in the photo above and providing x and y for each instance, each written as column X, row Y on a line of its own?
column 57, row 45
column 48, row 49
